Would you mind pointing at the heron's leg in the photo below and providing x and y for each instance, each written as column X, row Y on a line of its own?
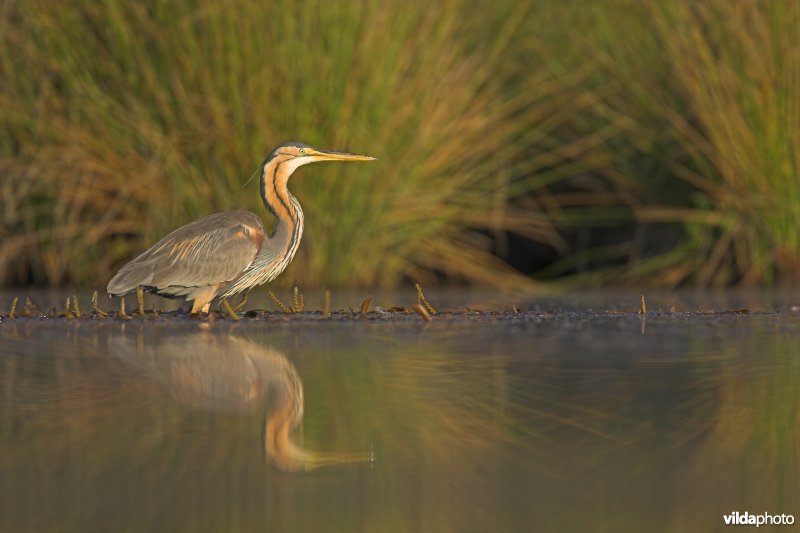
column 200, row 306
column 202, row 300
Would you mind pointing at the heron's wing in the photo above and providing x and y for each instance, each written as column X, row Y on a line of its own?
column 208, row 251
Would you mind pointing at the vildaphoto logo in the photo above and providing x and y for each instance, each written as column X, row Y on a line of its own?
column 747, row 519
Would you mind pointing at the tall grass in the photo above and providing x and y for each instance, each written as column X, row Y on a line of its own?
column 740, row 69
column 710, row 92
column 120, row 121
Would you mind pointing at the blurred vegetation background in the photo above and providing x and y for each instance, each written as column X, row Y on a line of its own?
column 609, row 141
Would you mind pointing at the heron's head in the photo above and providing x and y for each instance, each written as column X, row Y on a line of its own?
column 298, row 154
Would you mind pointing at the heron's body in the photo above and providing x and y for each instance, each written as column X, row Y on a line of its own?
column 228, row 253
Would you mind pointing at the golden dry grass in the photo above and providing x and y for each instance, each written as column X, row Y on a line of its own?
column 122, row 121
column 673, row 127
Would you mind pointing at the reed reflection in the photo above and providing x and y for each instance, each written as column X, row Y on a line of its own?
column 224, row 373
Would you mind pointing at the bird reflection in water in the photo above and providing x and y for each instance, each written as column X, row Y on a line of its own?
column 227, row 374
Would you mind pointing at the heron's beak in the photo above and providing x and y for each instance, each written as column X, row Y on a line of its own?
column 324, row 155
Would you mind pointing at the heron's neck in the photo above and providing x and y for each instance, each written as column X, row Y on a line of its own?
column 280, row 202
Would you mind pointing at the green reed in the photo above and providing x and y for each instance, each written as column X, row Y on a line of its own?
column 665, row 133
column 706, row 95
column 121, row 121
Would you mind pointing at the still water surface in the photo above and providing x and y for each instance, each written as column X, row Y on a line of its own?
column 565, row 421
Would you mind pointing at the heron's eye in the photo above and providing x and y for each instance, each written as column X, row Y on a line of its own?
column 302, row 151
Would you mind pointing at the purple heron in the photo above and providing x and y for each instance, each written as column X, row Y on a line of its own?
column 228, row 253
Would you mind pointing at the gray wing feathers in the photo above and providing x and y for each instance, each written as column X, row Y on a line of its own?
column 211, row 250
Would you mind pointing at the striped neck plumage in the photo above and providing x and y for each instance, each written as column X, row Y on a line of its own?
column 279, row 249
column 276, row 196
